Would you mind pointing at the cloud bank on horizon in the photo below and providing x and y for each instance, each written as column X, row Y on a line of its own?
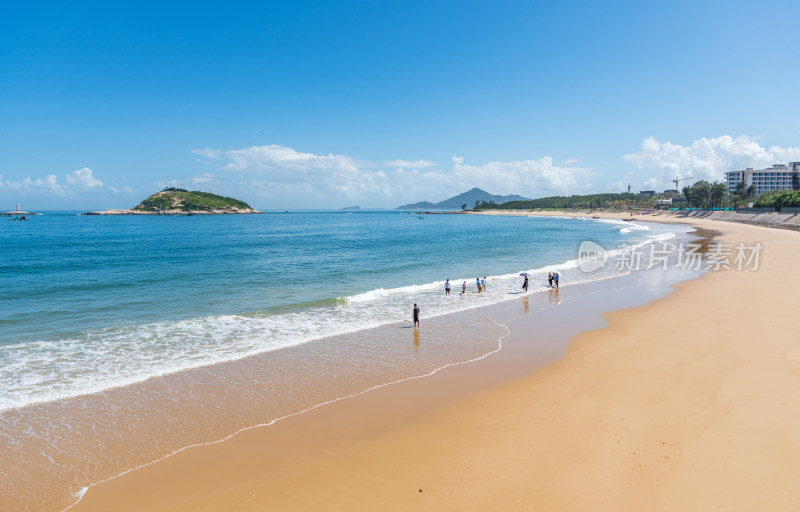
column 275, row 176
column 75, row 184
column 705, row 159
column 278, row 171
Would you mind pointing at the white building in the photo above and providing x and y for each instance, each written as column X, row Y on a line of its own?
column 777, row 177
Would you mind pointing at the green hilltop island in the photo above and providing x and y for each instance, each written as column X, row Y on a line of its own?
column 177, row 201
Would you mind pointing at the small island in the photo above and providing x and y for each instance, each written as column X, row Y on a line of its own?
column 178, row 201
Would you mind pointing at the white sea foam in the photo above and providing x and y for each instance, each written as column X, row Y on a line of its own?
column 612, row 221
column 380, row 293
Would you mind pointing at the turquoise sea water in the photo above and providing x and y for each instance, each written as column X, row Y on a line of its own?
column 94, row 302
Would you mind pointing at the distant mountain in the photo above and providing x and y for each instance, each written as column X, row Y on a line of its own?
column 424, row 205
column 469, row 198
column 351, row 208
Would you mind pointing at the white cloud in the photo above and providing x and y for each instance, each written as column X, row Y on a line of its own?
column 617, row 186
column 650, row 184
column 524, row 177
column 284, row 160
column 290, row 178
column 213, row 154
column 407, row 164
column 706, row 159
column 81, row 180
column 197, row 181
column 286, row 174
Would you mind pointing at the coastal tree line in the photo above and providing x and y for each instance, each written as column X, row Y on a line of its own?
column 590, row 201
column 701, row 194
column 706, row 195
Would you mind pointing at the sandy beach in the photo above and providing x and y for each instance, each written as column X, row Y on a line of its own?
column 687, row 403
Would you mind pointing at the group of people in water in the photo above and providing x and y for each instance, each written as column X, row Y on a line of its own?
column 552, row 281
column 480, row 283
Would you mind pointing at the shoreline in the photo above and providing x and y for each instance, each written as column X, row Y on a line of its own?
column 777, row 220
column 175, row 475
column 365, row 414
column 168, row 393
column 309, row 420
column 196, row 401
column 459, row 304
column 234, row 387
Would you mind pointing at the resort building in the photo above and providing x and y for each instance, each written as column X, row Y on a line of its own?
column 777, row 177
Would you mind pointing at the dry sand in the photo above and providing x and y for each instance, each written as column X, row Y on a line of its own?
column 691, row 402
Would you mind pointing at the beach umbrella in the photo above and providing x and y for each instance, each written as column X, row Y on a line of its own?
column 525, row 274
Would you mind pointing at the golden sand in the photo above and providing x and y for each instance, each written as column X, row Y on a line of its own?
column 691, row 402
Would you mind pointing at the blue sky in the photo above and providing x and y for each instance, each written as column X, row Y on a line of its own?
column 325, row 105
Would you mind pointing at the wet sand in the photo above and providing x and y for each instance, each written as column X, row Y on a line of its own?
column 688, row 402
column 273, row 459
column 52, row 450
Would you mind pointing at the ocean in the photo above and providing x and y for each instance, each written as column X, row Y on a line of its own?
column 94, row 302
column 127, row 338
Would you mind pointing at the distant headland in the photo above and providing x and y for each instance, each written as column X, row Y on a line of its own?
column 178, row 201
column 468, row 199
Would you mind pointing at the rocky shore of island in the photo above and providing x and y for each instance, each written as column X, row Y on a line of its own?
column 225, row 211
column 178, row 201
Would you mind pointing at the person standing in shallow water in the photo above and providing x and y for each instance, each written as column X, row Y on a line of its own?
column 464, row 288
column 447, row 287
column 415, row 315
